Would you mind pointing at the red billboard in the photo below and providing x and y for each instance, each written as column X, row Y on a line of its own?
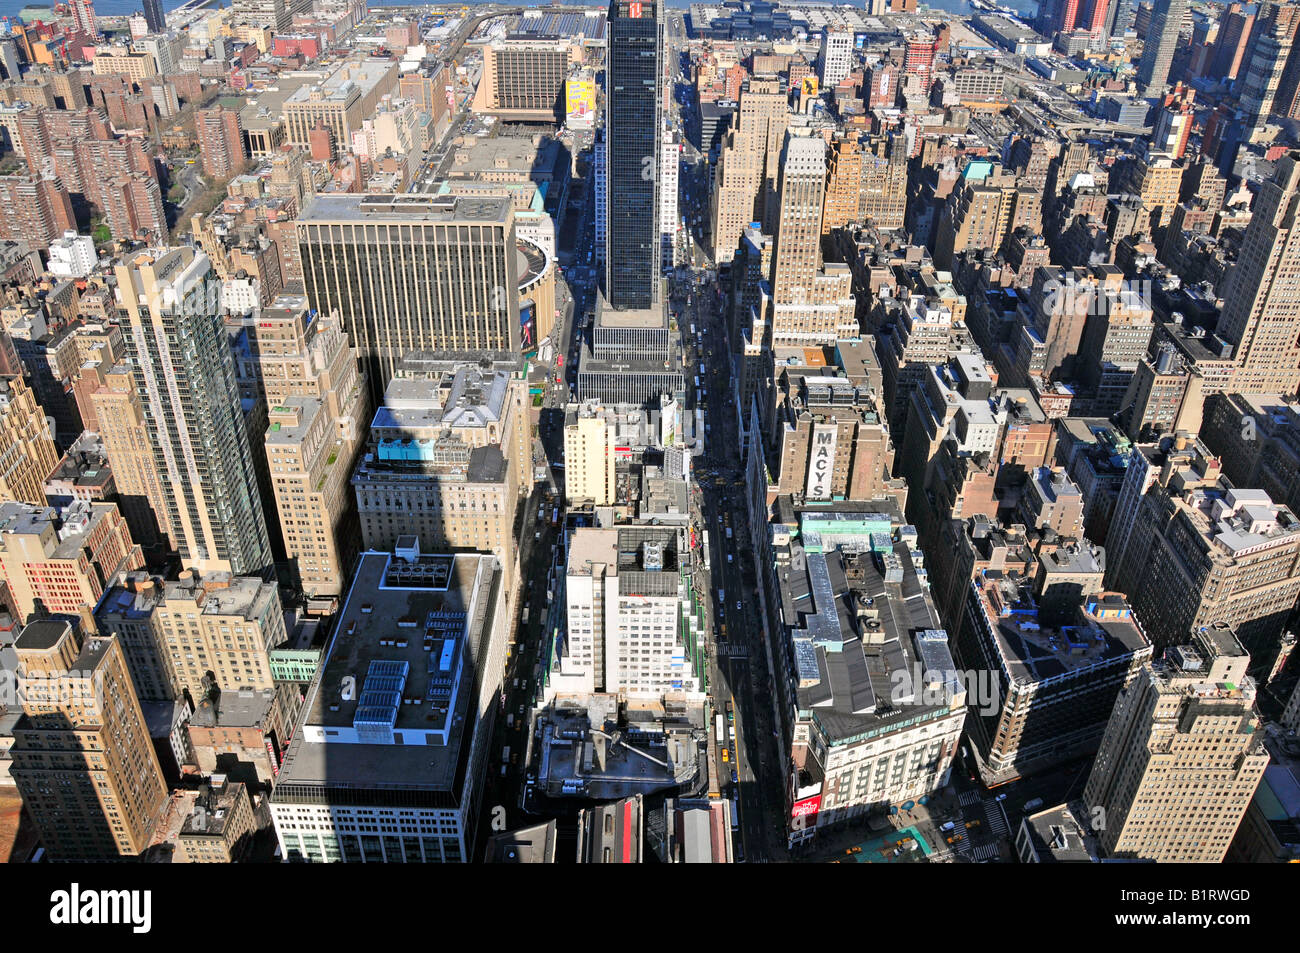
column 807, row 808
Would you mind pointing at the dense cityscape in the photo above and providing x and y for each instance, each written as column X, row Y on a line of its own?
column 738, row 432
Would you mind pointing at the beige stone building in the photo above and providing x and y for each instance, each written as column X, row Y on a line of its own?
column 843, row 185
column 748, row 165
column 27, row 451
column 220, row 826
column 82, row 756
column 1181, row 757
column 340, row 102
column 122, row 427
column 180, row 632
column 589, row 458
column 447, row 459
column 317, row 406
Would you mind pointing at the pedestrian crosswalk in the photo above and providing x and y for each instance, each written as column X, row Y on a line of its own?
column 997, row 826
column 985, row 852
column 968, row 798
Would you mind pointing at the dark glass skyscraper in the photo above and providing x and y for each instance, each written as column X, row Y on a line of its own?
column 1159, row 46
column 153, row 15
column 632, row 118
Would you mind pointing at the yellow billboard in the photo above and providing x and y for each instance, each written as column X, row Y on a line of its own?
column 809, row 86
column 580, row 102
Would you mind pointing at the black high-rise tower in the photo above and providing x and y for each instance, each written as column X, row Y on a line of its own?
column 153, row 16
column 632, row 118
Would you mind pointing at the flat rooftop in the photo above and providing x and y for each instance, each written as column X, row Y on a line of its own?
column 396, row 689
column 528, row 845
column 1061, row 835
column 1031, row 651
column 407, row 208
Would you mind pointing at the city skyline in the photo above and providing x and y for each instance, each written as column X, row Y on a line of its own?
column 652, row 432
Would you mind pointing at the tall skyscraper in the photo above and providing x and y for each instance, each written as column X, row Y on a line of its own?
column 836, row 59
column 1261, row 310
column 843, row 185
column 1235, row 26
column 1093, row 16
column 120, row 420
column 1158, row 53
column 27, row 451
column 882, row 197
column 153, row 16
column 1268, row 72
column 798, row 236
column 1057, row 16
column 669, row 162
column 1118, row 17
column 82, row 757
column 632, row 124
column 1181, row 756
column 919, row 57
column 83, row 16
column 406, row 273
column 221, row 141
column 318, row 405
column 600, row 179
column 184, row 378
column 748, row 164
column 811, row 303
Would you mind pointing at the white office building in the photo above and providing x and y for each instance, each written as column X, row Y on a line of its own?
column 669, row 164
column 836, row 60
column 631, row 625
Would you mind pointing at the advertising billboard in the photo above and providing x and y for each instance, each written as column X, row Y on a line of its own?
column 527, row 326
column 807, row 809
column 580, row 102
column 809, row 86
column 821, row 462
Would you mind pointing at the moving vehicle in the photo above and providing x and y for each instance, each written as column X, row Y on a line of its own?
column 718, row 725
